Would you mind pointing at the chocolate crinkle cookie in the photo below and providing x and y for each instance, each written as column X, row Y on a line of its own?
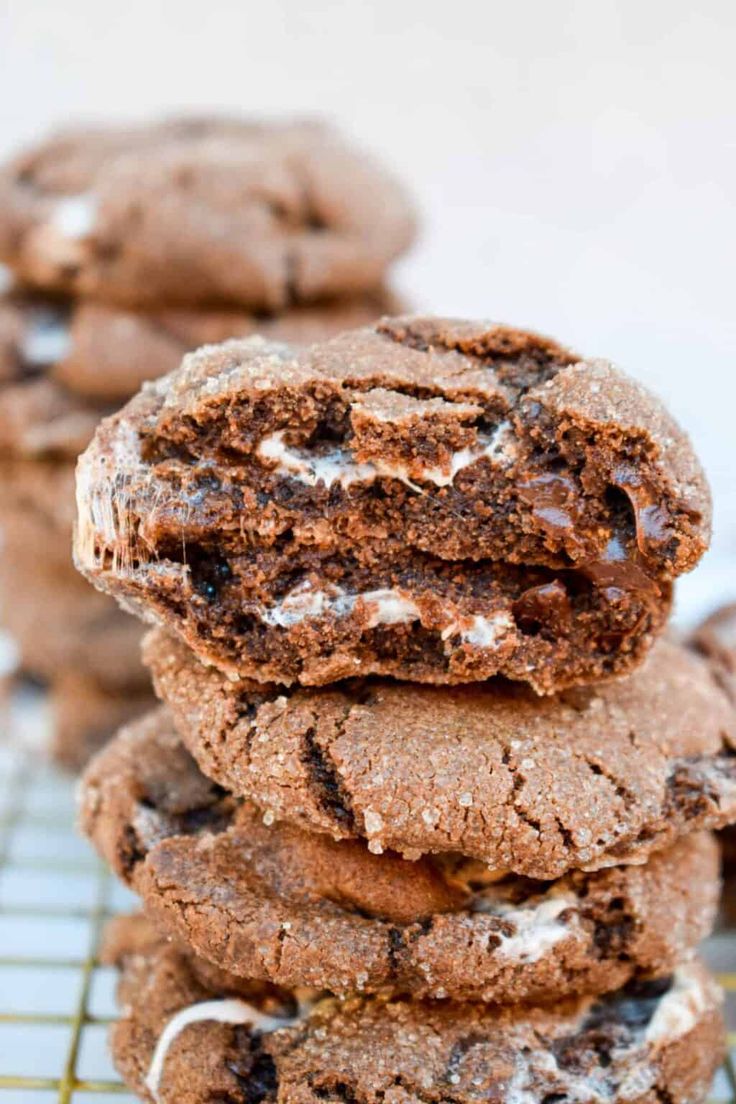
column 439, row 501
column 201, row 211
column 273, row 902
column 540, row 786
column 192, row 1035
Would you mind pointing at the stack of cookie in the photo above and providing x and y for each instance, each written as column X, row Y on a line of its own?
column 126, row 247
column 373, row 869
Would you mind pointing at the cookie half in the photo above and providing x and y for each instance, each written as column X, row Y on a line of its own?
column 434, row 500
column 540, row 786
column 201, row 211
column 104, row 353
column 272, row 902
column 193, row 1038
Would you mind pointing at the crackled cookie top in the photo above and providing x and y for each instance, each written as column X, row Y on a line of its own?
column 433, row 500
column 540, row 786
column 189, row 1038
column 271, row 901
column 201, row 211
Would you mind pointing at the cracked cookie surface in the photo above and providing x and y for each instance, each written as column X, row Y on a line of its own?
column 540, row 786
column 433, row 500
column 191, row 1036
column 201, row 211
column 273, row 902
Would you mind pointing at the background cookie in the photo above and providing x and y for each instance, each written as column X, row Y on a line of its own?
column 716, row 640
column 434, row 500
column 59, row 622
column 85, row 715
column 540, row 786
column 657, row 1040
column 104, row 353
column 41, row 420
column 272, row 902
column 201, row 211
column 41, row 491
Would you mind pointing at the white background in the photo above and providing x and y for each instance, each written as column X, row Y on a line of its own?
column 574, row 160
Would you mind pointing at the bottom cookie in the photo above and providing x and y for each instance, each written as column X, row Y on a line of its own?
column 192, row 1035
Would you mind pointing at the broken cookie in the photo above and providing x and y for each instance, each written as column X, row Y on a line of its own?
column 434, row 500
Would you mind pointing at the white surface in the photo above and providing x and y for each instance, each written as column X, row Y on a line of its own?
column 574, row 161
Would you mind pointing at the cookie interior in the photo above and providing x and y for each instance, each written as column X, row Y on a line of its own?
column 414, row 501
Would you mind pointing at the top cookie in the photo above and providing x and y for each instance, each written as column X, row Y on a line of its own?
column 434, row 500
column 201, row 211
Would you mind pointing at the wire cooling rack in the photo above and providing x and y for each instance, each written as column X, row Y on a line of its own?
column 56, row 1000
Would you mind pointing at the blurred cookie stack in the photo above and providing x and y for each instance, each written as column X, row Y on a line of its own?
column 375, row 870
column 125, row 247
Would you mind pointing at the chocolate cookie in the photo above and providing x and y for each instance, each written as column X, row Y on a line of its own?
column 185, row 1038
column 437, row 501
column 273, row 902
column 104, row 353
column 539, row 786
column 41, row 420
column 60, row 622
column 42, row 490
column 716, row 640
column 201, row 211
column 85, row 715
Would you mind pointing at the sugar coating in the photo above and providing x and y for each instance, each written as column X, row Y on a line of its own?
column 74, row 216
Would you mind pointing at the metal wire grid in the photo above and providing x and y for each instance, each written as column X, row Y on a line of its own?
column 56, row 1000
